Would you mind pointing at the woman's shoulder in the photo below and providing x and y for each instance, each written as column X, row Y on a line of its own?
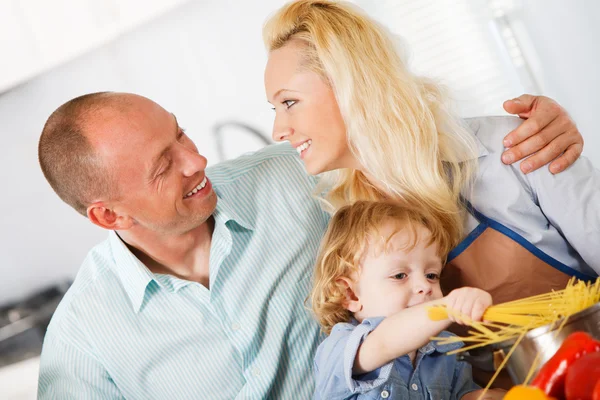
column 491, row 130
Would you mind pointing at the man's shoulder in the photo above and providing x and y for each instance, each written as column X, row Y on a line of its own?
column 94, row 276
column 279, row 157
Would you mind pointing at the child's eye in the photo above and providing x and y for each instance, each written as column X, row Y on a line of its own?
column 400, row 276
column 432, row 277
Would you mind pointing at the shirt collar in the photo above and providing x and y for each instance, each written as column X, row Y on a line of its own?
column 226, row 211
column 134, row 275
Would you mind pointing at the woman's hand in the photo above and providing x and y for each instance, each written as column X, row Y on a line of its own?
column 469, row 302
column 548, row 131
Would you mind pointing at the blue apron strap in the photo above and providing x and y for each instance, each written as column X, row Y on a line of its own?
column 485, row 222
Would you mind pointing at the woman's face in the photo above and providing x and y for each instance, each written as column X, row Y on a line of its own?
column 306, row 112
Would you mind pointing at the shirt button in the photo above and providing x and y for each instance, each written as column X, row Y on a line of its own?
column 256, row 372
column 235, row 326
column 414, row 387
column 385, row 394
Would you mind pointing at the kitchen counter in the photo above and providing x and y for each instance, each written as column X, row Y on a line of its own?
column 18, row 381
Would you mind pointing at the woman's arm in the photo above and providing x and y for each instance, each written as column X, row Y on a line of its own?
column 548, row 131
column 571, row 203
column 386, row 343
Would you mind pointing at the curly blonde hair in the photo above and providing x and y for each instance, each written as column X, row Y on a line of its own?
column 345, row 242
column 399, row 125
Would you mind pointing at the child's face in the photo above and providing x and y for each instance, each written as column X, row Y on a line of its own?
column 394, row 278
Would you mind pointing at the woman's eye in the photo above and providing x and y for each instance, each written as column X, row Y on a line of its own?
column 289, row 103
column 432, row 277
column 400, row 276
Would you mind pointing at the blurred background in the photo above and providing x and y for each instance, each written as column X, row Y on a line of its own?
column 204, row 60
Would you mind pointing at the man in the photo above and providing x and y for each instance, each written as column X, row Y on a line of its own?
column 199, row 290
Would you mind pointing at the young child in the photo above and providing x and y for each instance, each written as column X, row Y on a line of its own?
column 377, row 272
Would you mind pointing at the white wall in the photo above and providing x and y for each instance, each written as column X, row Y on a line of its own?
column 204, row 61
column 565, row 36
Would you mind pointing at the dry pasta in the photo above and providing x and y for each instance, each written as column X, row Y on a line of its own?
column 512, row 320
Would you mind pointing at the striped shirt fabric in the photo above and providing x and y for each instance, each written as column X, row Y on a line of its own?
column 124, row 332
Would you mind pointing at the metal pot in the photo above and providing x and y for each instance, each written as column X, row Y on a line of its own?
column 543, row 340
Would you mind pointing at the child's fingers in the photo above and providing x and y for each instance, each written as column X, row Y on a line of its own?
column 455, row 302
column 469, row 303
column 467, row 306
column 479, row 308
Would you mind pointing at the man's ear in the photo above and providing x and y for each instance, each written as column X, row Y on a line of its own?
column 352, row 302
column 100, row 214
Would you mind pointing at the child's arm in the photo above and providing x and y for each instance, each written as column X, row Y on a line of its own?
column 411, row 328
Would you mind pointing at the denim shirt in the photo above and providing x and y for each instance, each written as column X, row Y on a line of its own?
column 435, row 375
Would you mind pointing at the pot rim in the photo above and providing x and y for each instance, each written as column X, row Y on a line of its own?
column 542, row 330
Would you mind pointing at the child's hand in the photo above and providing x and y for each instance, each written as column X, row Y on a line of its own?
column 468, row 301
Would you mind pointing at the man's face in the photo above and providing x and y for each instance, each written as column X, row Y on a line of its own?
column 158, row 170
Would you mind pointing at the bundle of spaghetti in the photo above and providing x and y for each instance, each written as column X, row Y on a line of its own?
column 512, row 320
column 509, row 320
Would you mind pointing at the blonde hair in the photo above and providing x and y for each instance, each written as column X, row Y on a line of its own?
column 345, row 243
column 398, row 125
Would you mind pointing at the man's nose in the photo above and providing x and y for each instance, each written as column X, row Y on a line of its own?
column 193, row 162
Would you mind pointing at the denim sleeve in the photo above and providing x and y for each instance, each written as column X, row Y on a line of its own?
column 462, row 382
column 335, row 358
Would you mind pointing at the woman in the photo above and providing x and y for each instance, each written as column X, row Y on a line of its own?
column 345, row 100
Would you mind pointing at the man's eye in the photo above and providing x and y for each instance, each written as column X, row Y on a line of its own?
column 400, row 276
column 164, row 170
column 289, row 103
column 433, row 277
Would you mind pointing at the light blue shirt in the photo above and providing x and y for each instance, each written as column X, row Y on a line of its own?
column 123, row 332
column 435, row 375
column 556, row 217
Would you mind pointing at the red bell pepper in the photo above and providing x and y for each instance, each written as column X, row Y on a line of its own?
column 551, row 378
column 596, row 393
column 582, row 377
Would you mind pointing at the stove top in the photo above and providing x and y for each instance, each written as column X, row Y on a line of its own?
column 23, row 324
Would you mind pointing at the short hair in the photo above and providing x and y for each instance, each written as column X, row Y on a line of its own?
column 68, row 159
column 345, row 243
